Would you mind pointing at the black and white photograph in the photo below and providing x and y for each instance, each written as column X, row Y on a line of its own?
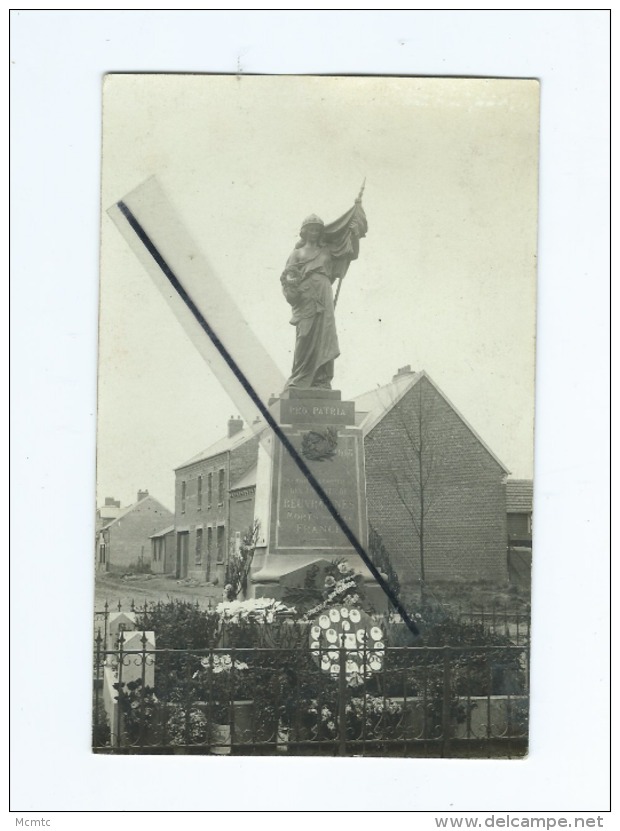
column 315, row 416
column 310, row 394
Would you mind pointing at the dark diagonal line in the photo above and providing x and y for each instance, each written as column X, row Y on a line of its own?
column 249, row 389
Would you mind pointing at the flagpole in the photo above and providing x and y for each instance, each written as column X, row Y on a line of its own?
column 357, row 201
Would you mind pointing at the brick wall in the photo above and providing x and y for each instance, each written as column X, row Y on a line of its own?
column 193, row 513
column 242, row 511
column 243, row 458
column 197, row 508
column 463, row 490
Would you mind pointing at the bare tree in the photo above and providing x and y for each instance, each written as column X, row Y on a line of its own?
column 411, row 464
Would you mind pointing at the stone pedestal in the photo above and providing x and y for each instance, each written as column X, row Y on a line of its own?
column 296, row 528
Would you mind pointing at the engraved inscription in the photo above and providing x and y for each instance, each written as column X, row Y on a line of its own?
column 313, row 412
column 303, row 521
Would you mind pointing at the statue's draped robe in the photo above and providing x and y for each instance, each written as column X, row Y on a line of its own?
column 316, row 344
column 312, row 299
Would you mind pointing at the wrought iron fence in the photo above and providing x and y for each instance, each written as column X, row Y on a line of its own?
column 509, row 619
column 421, row 701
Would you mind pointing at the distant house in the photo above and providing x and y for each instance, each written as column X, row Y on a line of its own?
column 123, row 543
column 107, row 512
column 519, row 503
column 436, row 492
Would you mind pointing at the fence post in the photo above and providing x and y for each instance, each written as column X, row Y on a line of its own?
column 446, row 717
column 120, row 696
column 187, row 733
column 142, row 688
column 96, row 685
column 342, row 699
column 106, row 612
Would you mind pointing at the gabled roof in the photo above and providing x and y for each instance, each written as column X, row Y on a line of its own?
column 131, row 508
column 378, row 403
column 519, row 496
column 225, row 444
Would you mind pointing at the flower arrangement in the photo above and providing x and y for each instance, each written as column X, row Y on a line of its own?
column 258, row 610
column 183, row 728
column 221, row 663
column 354, row 631
column 219, row 679
column 371, row 717
column 340, row 585
column 138, row 705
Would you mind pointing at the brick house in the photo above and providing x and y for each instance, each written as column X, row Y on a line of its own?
column 453, row 526
column 435, row 491
column 208, row 500
column 123, row 543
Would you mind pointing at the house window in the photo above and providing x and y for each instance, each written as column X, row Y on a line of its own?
column 220, row 487
column 183, row 495
column 102, row 553
column 221, row 543
column 198, row 546
column 200, row 493
column 209, row 490
column 209, row 547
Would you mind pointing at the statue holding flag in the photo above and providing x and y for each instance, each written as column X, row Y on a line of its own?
column 320, row 259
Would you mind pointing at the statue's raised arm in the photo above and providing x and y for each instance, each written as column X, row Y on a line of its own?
column 320, row 258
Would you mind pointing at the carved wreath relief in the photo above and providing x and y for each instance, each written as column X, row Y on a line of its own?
column 318, row 445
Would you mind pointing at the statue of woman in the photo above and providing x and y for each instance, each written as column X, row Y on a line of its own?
column 321, row 257
column 307, row 285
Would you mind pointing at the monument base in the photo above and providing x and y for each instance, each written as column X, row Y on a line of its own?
column 298, row 529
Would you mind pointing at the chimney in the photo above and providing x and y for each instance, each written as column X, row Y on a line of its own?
column 109, row 500
column 403, row 370
column 234, row 426
column 142, row 495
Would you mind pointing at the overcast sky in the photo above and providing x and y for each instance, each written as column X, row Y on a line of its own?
column 446, row 276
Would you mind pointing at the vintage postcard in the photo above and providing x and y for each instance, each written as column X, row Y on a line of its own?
column 315, row 416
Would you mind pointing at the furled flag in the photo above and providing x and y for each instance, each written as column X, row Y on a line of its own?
column 343, row 238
